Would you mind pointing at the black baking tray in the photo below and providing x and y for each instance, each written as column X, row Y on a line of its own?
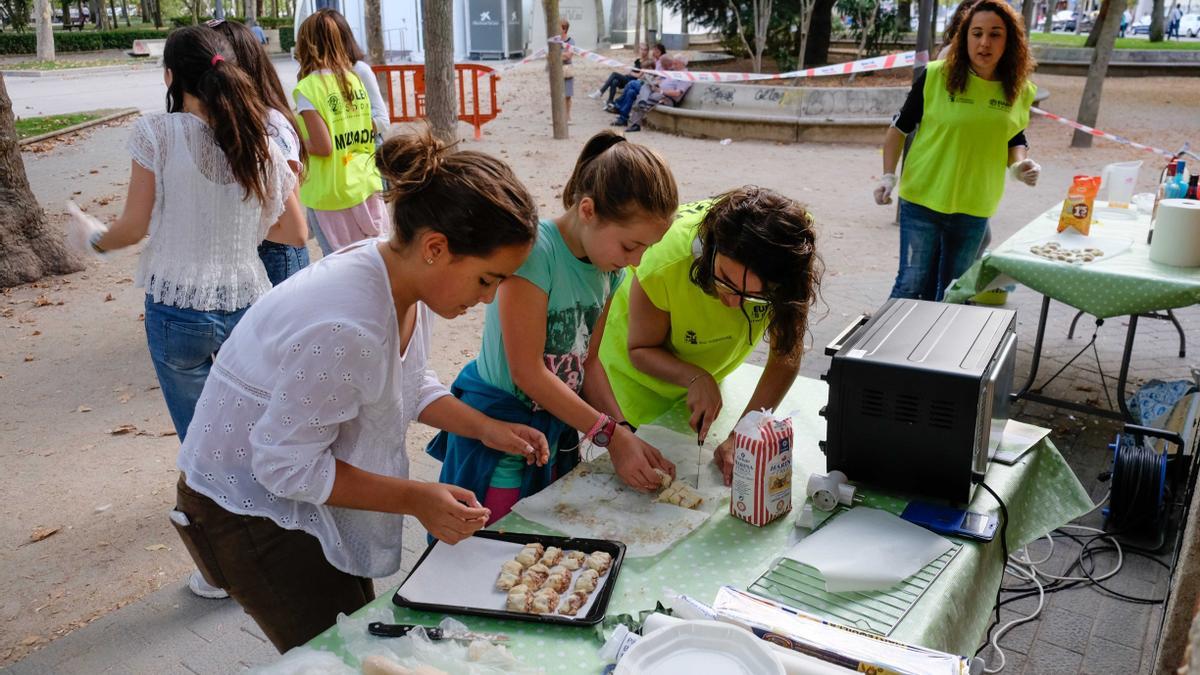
column 599, row 607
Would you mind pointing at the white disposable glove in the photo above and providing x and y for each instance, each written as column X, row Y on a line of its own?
column 883, row 191
column 1026, row 171
column 81, row 229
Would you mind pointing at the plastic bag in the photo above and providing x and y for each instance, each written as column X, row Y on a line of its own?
column 1078, row 206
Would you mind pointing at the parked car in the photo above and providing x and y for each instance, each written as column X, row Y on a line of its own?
column 1189, row 25
column 1142, row 26
column 1063, row 20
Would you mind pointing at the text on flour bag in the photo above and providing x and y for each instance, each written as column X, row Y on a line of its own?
column 762, row 467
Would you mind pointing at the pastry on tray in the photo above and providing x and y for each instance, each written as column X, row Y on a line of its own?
column 545, row 601
column 559, row 581
column 551, row 556
column 573, row 560
column 535, row 576
column 573, row 603
column 530, row 555
column 586, row 583
column 507, row 581
column 520, row 598
column 599, row 561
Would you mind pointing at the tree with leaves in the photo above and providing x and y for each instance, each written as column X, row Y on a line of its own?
column 760, row 16
column 786, row 35
column 29, row 248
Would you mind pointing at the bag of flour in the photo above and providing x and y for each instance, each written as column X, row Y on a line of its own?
column 762, row 467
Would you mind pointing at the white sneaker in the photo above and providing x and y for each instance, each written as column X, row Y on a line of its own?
column 595, row 94
column 204, row 589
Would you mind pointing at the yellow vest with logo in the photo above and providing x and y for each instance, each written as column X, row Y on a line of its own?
column 347, row 176
column 959, row 155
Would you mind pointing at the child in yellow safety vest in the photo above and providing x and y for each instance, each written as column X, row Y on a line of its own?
column 341, row 183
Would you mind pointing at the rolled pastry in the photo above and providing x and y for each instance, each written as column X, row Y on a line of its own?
column 507, row 581
column 512, row 567
column 551, row 557
column 520, row 598
column 527, row 557
column 573, row 603
column 573, row 560
column 664, row 478
column 545, row 601
column 535, row 576
column 681, row 494
column 540, row 548
column 586, row 583
column 559, row 582
column 599, row 561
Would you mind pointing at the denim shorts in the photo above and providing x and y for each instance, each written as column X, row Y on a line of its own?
column 281, row 260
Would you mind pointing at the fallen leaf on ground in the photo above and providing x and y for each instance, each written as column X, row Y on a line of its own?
column 102, row 508
column 124, row 398
column 31, row 640
column 28, row 358
column 42, row 301
column 123, row 429
column 35, row 333
column 157, row 547
column 41, row 533
column 108, row 298
column 83, row 408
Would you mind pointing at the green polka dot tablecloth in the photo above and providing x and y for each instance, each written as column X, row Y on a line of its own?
column 1118, row 285
column 1041, row 493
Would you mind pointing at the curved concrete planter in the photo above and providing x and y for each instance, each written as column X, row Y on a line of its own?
column 1124, row 63
column 783, row 114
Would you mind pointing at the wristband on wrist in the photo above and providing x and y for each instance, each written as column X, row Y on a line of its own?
column 601, row 432
column 94, row 241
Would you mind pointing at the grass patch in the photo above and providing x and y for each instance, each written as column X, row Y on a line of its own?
column 1072, row 40
column 36, row 126
column 64, row 64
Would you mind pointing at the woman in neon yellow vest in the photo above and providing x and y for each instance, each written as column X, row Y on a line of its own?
column 972, row 109
column 341, row 183
column 728, row 271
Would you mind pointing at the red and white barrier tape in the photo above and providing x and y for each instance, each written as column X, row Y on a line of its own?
column 1101, row 134
column 887, row 62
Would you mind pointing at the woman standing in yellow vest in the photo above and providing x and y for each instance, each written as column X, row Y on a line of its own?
column 972, row 108
column 729, row 270
column 341, row 183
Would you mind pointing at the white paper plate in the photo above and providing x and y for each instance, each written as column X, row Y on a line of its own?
column 700, row 648
column 1069, row 238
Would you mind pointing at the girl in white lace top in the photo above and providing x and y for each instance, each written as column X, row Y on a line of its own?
column 295, row 474
column 206, row 186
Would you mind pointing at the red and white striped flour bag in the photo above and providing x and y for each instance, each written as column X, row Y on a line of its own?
column 762, row 467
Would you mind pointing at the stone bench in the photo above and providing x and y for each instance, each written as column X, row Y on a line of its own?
column 148, row 48
column 785, row 114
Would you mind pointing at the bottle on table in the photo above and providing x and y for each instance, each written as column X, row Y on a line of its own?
column 1192, row 187
column 1167, row 178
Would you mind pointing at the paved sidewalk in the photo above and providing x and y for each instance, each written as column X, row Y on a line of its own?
column 1081, row 631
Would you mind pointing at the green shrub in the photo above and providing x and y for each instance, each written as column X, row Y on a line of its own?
column 86, row 41
column 287, row 37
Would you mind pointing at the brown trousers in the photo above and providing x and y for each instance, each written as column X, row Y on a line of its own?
column 280, row 577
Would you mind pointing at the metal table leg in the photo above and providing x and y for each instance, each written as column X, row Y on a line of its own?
column 1037, row 350
column 1123, row 375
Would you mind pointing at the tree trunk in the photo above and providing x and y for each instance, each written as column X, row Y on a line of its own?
column 1048, row 20
column 251, row 11
column 638, row 38
column 275, row 9
column 112, row 7
column 125, row 9
column 157, row 13
column 554, row 66
column 601, row 33
column 1029, row 13
column 1089, row 105
column 99, row 16
column 1094, row 36
column 762, row 23
column 374, row 27
column 904, row 15
column 816, row 51
column 45, row 30
column 1157, row 29
column 29, row 248
column 806, row 16
column 441, row 98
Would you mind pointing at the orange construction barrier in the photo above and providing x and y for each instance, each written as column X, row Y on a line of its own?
column 405, row 93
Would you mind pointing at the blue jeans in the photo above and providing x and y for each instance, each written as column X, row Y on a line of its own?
column 281, row 260
column 183, row 343
column 935, row 249
column 313, row 227
column 628, row 97
column 614, row 82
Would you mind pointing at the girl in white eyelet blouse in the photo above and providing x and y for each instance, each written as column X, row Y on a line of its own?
column 295, row 475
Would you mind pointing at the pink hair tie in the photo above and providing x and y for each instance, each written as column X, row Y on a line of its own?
column 215, row 59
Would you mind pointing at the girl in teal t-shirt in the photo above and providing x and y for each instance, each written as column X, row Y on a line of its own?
column 538, row 359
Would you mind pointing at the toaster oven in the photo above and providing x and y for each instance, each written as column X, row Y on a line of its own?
column 919, row 396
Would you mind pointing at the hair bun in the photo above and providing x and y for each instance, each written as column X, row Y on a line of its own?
column 410, row 162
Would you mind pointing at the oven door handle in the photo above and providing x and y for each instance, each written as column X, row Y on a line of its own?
column 843, row 337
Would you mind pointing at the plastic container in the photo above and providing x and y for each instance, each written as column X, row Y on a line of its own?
column 700, row 648
column 1120, row 179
